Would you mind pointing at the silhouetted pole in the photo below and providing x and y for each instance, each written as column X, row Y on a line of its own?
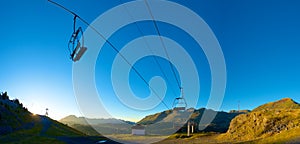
column 46, row 112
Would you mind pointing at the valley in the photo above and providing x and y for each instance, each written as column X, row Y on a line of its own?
column 274, row 122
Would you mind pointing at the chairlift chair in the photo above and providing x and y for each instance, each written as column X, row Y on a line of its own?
column 76, row 47
column 179, row 103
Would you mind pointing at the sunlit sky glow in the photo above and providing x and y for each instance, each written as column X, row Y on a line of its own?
column 259, row 39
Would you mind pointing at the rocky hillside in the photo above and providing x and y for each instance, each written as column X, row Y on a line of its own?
column 279, row 121
column 170, row 117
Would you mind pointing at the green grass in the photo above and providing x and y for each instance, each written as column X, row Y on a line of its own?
column 58, row 129
column 285, row 103
column 264, row 126
column 36, row 140
column 192, row 136
column 28, row 136
column 283, row 137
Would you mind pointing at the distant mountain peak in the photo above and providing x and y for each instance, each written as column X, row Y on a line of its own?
column 72, row 119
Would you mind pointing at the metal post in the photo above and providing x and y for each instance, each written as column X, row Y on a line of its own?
column 193, row 128
column 188, row 129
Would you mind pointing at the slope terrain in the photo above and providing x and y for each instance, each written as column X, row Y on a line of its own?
column 18, row 125
column 272, row 122
column 167, row 121
column 94, row 126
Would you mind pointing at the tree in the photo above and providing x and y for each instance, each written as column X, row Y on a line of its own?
column 4, row 95
column 16, row 101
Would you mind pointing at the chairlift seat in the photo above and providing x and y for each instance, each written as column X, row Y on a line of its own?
column 79, row 54
column 179, row 108
column 76, row 45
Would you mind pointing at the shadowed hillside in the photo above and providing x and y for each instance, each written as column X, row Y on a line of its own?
column 166, row 120
column 18, row 125
column 163, row 123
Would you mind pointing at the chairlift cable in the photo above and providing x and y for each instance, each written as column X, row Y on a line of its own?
column 150, row 49
column 180, row 100
column 162, row 42
column 114, row 48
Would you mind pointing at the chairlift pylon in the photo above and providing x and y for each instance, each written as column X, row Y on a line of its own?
column 179, row 103
column 46, row 114
column 76, row 47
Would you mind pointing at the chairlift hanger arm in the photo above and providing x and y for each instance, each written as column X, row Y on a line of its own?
column 181, row 90
column 88, row 24
column 76, row 16
column 74, row 42
column 74, row 25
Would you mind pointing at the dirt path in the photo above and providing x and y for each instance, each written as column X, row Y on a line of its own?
column 46, row 125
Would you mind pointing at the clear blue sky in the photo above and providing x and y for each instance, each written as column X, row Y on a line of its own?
column 259, row 39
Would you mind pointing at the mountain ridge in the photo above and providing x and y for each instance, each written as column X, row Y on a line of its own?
column 94, row 126
column 285, row 103
column 169, row 117
column 72, row 119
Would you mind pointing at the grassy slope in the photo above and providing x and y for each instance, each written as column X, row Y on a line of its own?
column 18, row 125
column 31, row 135
column 285, row 103
column 270, row 123
column 35, row 134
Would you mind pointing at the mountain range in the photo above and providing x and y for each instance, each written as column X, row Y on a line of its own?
column 167, row 119
column 162, row 123
column 72, row 119
column 93, row 126
column 274, row 122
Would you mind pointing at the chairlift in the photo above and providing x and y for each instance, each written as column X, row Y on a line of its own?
column 76, row 48
column 179, row 103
